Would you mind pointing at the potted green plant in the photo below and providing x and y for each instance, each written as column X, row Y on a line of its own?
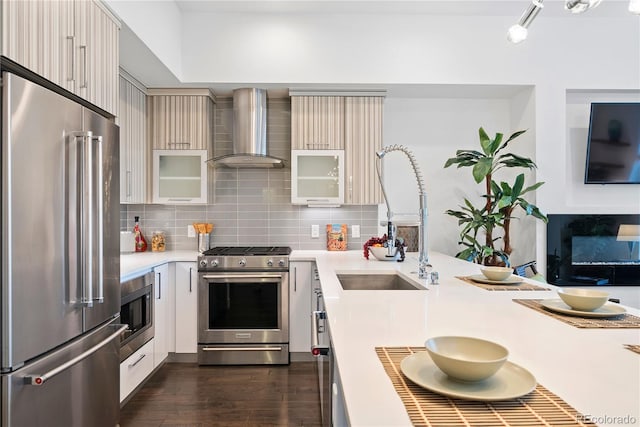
column 481, row 226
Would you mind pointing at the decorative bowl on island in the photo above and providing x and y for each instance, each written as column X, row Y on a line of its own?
column 380, row 253
column 496, row 273
column 583, row 299
column 466, row 358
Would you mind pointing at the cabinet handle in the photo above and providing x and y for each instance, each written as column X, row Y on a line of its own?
column 128, row 184
column 351, row 188
column 142, row 356
column 190, row 278
column 72, row 63
column 83, row 48
column 295, row 280
column 159, row 285
column 182, row 144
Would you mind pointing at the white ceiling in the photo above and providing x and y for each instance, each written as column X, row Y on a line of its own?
column 430, row 7
column 137, row 59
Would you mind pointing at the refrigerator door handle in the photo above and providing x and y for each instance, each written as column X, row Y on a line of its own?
column 82, row 208
column 96, row 146
column 40, row 379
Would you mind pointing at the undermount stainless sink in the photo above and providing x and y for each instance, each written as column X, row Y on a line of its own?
column 376, row 282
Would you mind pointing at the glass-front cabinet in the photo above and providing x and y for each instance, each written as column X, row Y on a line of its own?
column 317, row 177
column 179, row 176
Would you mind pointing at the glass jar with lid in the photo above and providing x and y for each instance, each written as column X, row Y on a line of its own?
column 158, row 241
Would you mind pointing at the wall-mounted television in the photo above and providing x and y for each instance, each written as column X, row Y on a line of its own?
column 613, row 146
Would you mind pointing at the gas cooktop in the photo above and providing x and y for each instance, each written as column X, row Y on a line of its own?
column 248, row 251
column 240, row 258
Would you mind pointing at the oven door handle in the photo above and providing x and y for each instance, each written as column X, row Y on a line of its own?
column 242, row 349
column 241, row 276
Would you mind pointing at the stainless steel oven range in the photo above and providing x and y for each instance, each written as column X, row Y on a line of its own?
column 243, row 306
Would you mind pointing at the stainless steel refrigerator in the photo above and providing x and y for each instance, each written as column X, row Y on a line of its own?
column 60, row 260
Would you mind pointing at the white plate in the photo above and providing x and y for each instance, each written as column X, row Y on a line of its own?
column 512, row 280
column 509, row 382
column 607, row 310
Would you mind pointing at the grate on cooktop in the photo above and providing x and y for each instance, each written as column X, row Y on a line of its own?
column 248, row 250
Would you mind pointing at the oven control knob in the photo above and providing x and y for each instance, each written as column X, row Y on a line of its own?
column 203, row 263
column 243, row 262
column 281, row 263
column 270, row 263
column 214, row 263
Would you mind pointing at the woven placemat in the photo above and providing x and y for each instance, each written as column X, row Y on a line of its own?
column 623, row 321
column 633, row 347
column 519, row 287
column 426, row 408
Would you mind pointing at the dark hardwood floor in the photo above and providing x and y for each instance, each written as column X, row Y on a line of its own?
column 190, row 395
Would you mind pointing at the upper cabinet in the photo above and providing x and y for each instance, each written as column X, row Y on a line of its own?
column 133, row 140
column 349, row 123
column 363, row 138
column 317, row 123
column 181, row 120
column 74, row 44
column 180, row 127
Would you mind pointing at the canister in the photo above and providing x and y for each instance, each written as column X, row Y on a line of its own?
column 203, row 242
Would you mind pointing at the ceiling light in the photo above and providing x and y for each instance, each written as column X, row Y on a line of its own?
column 519, row 31
column 579, row 6
column 634, row 6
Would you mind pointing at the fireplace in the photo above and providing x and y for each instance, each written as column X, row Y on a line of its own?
column 593, row 250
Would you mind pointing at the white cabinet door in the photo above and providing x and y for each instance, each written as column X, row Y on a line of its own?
column 74, row 44
column 317, row 123
column 181, row 122
column 363, row 138
column 135, row 368
column 133, row 142
column 179, row 176
column 186, row 307
column 161, row 307
column 299, row 306
column 99, row 60
column 317, row 177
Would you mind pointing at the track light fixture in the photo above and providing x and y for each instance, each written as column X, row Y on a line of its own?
column 519, row 31
column 579, row 6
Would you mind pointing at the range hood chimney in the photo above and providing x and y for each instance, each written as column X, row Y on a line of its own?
column 249, row 132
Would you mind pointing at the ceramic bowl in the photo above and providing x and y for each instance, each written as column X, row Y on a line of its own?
column 496, row 273
column 466, row 358
column 583, row 299
column 380, row 253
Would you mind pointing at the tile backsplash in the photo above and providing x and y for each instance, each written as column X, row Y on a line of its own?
column 251, row 207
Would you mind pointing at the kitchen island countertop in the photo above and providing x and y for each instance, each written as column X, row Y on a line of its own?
column 589, row 368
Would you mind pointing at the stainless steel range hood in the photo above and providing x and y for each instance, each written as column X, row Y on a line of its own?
column 249, row 132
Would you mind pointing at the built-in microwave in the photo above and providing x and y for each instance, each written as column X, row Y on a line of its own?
column 136, row 310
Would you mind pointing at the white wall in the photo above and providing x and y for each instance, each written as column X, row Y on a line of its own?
column 158, row 24
column 595, row 53
column 433, row 129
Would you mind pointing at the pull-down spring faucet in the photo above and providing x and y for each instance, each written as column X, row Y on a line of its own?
column 424, row 268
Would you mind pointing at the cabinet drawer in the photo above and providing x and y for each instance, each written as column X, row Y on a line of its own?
column 135, row 369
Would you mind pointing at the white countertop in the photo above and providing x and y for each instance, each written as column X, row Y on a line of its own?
column 588, row 368
column 138, row 263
